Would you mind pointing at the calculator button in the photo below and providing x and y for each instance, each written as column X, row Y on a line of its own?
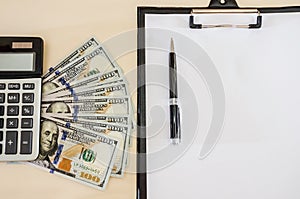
column 28, row 86
column 28, row 98
column 27, row 110
column 13, row 97
column 14, row 86
column 26, row 123
column 1, row 136
column 12, row 110
column 1, row 110
column 2, row 98
column 2, row 86
column 26, row 142
column 0, row 149
column 12, row 123
column 1, row 122
column 11, row 142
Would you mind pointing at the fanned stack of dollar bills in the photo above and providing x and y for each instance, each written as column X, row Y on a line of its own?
column 86, row 118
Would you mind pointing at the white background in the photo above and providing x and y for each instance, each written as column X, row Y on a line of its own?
column 257, row 155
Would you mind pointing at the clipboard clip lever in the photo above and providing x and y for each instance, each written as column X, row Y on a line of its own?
column 256, row 25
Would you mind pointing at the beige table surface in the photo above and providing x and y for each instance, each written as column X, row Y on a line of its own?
column 64, row 25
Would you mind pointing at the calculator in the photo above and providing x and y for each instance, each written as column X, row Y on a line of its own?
column 21, row 67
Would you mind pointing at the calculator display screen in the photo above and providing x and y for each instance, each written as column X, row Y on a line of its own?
column 17, row 61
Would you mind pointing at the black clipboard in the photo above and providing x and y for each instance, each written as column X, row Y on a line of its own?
column 141, row 73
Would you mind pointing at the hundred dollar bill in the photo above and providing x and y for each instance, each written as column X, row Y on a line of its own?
column 96, row 105
column 101, row 118
column 117, row 132
column 86, row 48
column 82, row 155
column 93, row 80
column 93, row 63
column 115, row 88
column 112, row 90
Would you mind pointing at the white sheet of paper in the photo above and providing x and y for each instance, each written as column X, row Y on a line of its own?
column 251, row 74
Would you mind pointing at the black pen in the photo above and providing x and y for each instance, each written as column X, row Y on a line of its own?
column 175, row 127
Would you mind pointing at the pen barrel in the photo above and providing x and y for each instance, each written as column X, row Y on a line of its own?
column 175, row 128
column 173, row 75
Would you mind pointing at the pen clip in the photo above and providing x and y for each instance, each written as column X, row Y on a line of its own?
column 256, row 25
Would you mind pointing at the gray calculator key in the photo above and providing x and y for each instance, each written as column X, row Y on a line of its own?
column 12, row 110
column 1, row 110
column 2, row 86
column 1, row 136
column 2, row 97
column 1, row 122
column 12, row 123
column 11, row 142
column 26, row 123
column 28, row 86
column 13, row 98
column 28, row 98
column 26, row 142
column 27, row 110
column 14, row 86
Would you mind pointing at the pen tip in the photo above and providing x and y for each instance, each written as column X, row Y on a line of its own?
column 172, row 45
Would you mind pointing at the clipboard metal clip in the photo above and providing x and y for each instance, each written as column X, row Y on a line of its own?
column 256, row 25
